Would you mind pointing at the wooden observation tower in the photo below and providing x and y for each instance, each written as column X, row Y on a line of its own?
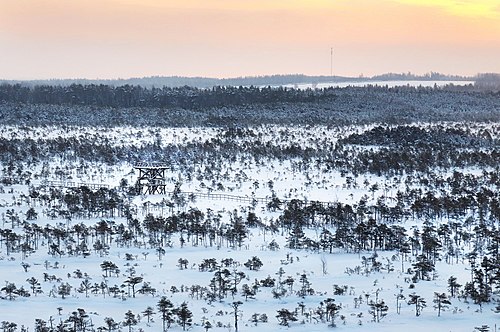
column 151, row 179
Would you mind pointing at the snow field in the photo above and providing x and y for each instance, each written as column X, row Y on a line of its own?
column 288, row 182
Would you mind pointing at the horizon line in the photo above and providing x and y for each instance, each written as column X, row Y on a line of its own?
column 417, row 75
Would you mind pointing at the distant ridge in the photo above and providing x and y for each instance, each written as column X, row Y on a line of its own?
column 207, row 82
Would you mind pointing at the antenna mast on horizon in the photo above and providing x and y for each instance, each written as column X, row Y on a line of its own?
column 331, row 62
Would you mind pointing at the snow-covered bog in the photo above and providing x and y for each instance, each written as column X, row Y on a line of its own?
column 268, row 227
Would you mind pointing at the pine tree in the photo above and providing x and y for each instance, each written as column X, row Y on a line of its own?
column 236, row 306
column 331, row 310
column 108, row 267
column 254, row 263
column 64, row 289
column 378, row 310
column 149, row 312
column 430, row 242
column 8, row 326
column 111, row 325
column 130, row 320
column 10, row 290
column 207, row 325
column 453, row 286
column 184, row 316
column 419, row 303
column 165, row 309
column 182, row 263
column 131, row 282
column 285, row 316
column 482, row 293
column 422, row 268
column 306, row 286
column 41, row 325
column 441, row 302
column 79, row 320
column 247, row 292
column 237, row 231
column 296, row 238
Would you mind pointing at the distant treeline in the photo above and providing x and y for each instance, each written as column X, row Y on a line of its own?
column 489, row 82
column 432, row 76
column 273, row 80
column 197, row 82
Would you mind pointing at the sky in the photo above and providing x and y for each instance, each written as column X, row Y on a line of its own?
column 42, row 39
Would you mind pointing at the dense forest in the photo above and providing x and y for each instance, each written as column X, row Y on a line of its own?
column 228, row 106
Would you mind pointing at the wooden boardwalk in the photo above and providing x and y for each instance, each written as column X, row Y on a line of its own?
column 71, row 184
column 246, row 199
column 189, row 195
column 224, row 197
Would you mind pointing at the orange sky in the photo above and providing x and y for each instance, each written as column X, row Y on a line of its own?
column 228, row 38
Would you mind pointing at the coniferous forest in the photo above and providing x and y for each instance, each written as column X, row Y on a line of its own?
column 128, row 105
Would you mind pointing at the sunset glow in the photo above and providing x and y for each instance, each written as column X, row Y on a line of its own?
column 468, row 8
column 226, row 38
